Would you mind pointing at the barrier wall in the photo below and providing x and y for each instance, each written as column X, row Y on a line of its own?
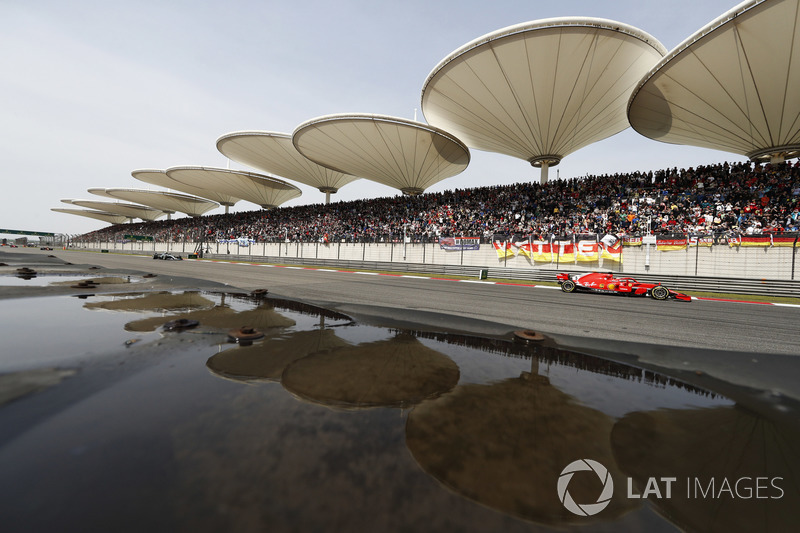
column 767, row 262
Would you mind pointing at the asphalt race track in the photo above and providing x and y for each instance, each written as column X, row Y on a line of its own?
column 720, row 325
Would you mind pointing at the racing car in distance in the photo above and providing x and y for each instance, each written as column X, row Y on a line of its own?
column 608, row 284
column 167, row 256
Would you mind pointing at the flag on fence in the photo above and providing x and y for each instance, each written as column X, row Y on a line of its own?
column 629, row 240
column 542, row 251
column 611, row 247
column 522, row 244
column 665, row 244
column 783, row 240
column 503, row 247
column 587, row 249
column 701, row 240
column 756, row 240
column 565, row 251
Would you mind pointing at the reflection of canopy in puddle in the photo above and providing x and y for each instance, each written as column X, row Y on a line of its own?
column 158, row 301
column 395, row 372
column 505, row 445
column 266, row 361
column 719, row 444
column 262, row 317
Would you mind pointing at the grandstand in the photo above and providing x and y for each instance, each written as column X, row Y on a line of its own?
column 724, row 199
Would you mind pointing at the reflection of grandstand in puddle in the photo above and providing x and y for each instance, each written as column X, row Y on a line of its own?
column 551, row 355
column 396, row 372
column 504, row 445
column 746, row 464
column 267, row 361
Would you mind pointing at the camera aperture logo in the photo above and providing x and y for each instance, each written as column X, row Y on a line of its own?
column 585, row 509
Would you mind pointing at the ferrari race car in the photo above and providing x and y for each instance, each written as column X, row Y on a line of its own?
column 608, row 284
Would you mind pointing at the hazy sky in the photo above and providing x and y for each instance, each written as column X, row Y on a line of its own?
column 92, row 90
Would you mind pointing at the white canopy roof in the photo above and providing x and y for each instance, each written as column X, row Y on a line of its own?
column 540, row 90
column 734, row 85
column 169, row 202
column 126, row 209
column 274, row 153
column 262, row 190
column 99, row 215
column 160, row 178
column 400, row 153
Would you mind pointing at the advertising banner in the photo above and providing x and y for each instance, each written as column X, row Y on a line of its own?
column 459, row 243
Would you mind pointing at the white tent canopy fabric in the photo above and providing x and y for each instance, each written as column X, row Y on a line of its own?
column 160, row 178
column 261, row 190
column 120, row 208
column 169, row 202
column 540, row 90
column 733, row 86
column 111, row 218
column 274, row 153
column 407, row 155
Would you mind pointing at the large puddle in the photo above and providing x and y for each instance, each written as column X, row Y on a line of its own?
column 325, row 424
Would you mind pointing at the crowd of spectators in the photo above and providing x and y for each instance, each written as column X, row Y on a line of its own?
column 741, row 198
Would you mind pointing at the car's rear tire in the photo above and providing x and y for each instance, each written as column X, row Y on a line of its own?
column 568, row 286
column 660, row 293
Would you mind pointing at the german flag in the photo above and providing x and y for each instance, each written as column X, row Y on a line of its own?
column 613, row 253
column 666, row 245
column 542, row 251
column 587, row 249
column 756, row 240
column 784, row 240
column 565, row 251
column 503, row 248
column 522, row 245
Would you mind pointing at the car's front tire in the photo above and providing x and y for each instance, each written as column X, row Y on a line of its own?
column 660, row 293
column 568, row 286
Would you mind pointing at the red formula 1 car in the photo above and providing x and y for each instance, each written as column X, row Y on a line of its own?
column 608, row 284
